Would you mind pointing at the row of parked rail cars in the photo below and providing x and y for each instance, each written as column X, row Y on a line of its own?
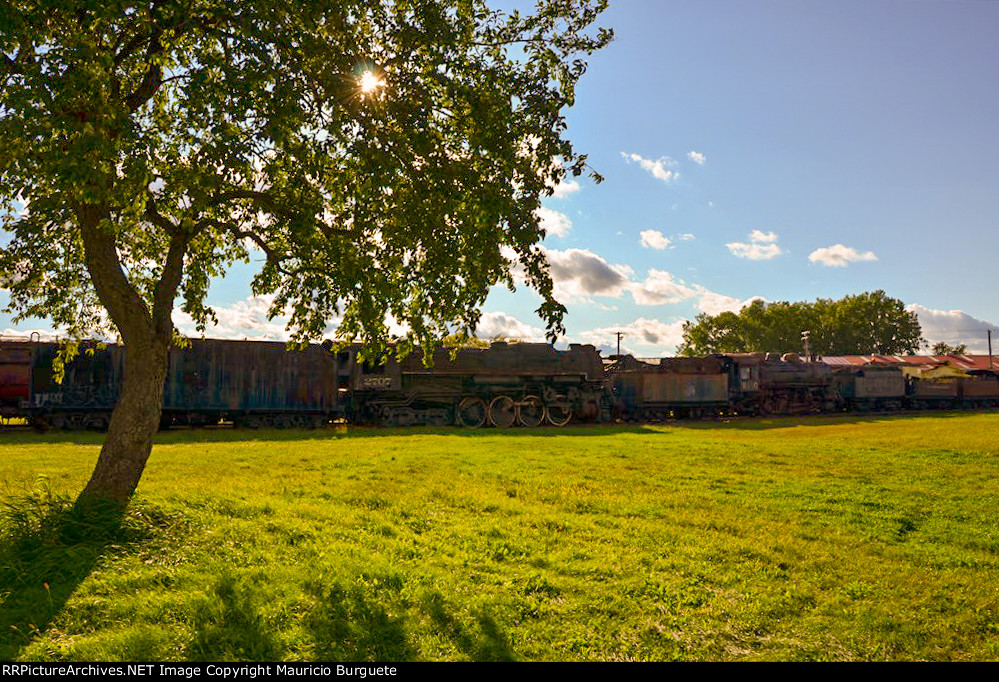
column 767, row 384
column 258, row 384
column 262, row 384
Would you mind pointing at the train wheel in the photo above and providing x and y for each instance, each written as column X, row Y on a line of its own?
column 75, row 421
column 531, row 411
column 558, row 414
column 502, row 411
column 98, row 422
column 472, row 412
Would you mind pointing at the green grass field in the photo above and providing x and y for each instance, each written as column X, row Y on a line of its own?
column 810, row 539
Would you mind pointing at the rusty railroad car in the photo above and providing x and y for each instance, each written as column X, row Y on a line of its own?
column 670, row 388
column 251, row 383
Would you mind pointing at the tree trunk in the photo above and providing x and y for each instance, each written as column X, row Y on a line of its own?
column 134, row 422
column 147, row 333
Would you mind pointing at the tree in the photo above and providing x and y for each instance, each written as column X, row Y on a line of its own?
column 871, row 322
column 946, row 349
column 384, row 158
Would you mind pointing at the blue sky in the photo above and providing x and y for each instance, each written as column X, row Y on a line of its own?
column 856, row 141
column 783, row 149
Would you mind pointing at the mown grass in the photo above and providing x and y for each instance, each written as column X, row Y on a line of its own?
column 811, row 539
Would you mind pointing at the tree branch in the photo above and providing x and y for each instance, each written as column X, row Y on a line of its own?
column 157, row 219
column 152, row 80
column 123, row 303
column 267, row 201
column 272, row 257
column 166, row 287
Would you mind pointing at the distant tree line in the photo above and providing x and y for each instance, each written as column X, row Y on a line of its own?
column 946, row 349
column 871, row 322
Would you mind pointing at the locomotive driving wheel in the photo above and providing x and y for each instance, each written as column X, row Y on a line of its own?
column 531, row 411
column 502, row 411
column 472, row 412
column 558, row 413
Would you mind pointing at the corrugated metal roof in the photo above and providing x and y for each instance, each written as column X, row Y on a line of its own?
column 962, row 362
column 844, row 360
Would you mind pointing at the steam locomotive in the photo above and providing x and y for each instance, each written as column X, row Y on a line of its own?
column 262, row 384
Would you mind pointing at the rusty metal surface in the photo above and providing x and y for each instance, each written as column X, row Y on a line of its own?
column 15, row 372
column 249, row 376
column 91, row 380
column 789, row 373
column 685, row 389
column 516, row 359
column 870, row 382
column 880, row 385
column 714, row 364
column 981, row 388
column 934, row 389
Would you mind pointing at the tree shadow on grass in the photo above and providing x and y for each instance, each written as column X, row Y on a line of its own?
column 354, row 625
column 358, row 625
column 230, row 627
column 48, row 547
column 488, row 644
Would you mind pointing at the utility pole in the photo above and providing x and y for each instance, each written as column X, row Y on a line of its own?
column 620, row 335
column 804, row 337
column 990, row 348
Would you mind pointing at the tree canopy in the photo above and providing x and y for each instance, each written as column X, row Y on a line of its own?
column 871, row 322
column 383, row 158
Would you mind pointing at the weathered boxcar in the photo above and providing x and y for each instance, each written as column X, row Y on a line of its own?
column 251, row 383
column 505, row 384
column 981, row 389
column 872, row 386
column 15, row 376
column 926, row 394
column 671, row 388
column 83, row 399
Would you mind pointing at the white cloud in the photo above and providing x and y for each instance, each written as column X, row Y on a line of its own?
column 654, row 239
column 761, row 246
column 26, row 334
column 660, row 168
column 686, row 236
column 955, row 327
column 565, row 188
column 501, row 325
column 652, row 337
column 697, row 157
column 578, row 273
column 713, row 303
column 659, row 288
column 839, row 256
column 763, row 237
column 246, row 319
column 554, row 222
